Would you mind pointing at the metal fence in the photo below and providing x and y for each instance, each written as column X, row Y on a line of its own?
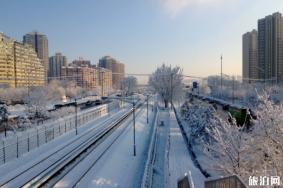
column 147, row 176
column 20, row 143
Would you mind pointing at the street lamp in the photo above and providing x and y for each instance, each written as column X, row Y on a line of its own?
column 134, row 117
column 147, row 109
column 171, row 85
column 76, row 117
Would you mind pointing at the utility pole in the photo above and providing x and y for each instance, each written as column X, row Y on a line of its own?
column 5, row 124
column 76, row 118
column 221, row 77
column 147, row 109
column 134, row 118
column 171, row 85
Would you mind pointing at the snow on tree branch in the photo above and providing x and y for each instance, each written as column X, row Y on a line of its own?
column 167, row 82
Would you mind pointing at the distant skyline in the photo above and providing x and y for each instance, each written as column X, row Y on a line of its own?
column 142, row 34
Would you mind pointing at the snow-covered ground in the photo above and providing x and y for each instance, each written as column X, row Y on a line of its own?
column 118, row 167
column 159, row 164
column 30, row 158
column 180, row 162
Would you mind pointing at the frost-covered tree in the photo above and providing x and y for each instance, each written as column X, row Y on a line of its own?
column 12, row 95
column 3, row 113
column 267, row 142
column 55, row 90
column 167, row 82
column 129, row 85
column 221, row 140
column 235, row 150
column 37, row 102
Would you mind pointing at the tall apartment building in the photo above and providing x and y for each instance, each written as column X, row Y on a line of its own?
column 117, row 68
column 105, row 80
column 7, row 61
column 19, row 64
column 250, row 56
column 84, row 77
column 40, row 43
column 270, row 47
column 55, row 66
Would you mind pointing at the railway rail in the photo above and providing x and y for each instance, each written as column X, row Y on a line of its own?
column 49, row 170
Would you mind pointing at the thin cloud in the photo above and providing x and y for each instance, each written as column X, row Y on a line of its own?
column 174, row 7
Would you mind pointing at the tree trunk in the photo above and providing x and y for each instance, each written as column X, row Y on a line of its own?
column 166, row 103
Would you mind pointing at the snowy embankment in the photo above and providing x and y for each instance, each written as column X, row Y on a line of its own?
column 188, row 141
column 16, row 145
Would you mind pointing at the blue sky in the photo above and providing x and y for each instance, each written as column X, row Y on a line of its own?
column 142, row 33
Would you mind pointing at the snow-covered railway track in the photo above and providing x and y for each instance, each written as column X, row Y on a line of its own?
column 82, row 174
column 45, row 168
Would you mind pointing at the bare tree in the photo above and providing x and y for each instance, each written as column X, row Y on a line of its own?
column 167, row 82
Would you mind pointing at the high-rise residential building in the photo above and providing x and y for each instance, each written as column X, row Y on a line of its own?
column 55, row 66
column 7, row 61
column 105, row 80
column 250, row 56
column 84, row 77
column 117, row 68
column 82, row 62
column 19, row 64
column 40, row 43
column 270, row 47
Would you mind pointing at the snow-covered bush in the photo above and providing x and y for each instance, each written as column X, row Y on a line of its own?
column 200, row 119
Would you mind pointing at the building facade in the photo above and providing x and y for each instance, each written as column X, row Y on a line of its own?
column 7, row 62
column 105, row 80
column 270, row 47
column 40, row 44
column 84, row 77
column 117, row 68
column 81, row 62
column 250, row 67
column 55, row 66
column 19, row 64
